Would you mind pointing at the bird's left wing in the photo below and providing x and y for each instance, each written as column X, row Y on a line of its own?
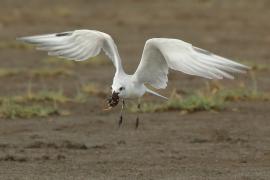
column 160, row 54
column 77, row 45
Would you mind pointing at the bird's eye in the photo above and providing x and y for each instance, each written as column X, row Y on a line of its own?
column 121, row 88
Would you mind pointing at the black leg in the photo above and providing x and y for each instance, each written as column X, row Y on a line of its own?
column 120, row 120
column 137, row 119
column 121, row 114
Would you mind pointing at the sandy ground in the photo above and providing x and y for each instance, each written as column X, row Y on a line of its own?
column 232, row 144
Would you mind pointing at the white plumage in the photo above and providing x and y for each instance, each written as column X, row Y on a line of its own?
column 159, row 55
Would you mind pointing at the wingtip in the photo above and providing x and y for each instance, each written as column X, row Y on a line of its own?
column 244, row 69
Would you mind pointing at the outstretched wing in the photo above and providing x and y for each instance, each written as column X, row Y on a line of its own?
column 160, row 54
column 78, row 45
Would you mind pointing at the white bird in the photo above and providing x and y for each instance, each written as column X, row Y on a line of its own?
column 159, row 55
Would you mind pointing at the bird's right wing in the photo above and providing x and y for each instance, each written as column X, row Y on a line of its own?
column 78, row 45
column 160, row 54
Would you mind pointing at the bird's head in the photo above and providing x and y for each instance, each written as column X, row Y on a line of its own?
column 117, row 92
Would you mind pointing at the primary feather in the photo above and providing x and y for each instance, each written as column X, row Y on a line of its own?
column 77, row 45
column 160, row 54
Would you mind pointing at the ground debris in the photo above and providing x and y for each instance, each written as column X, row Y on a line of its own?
column 57, row 145
column 16, row 158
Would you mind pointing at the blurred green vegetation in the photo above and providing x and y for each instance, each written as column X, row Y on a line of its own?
column 47, row 103
column 204, row 100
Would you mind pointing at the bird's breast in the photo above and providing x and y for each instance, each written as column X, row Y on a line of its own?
column 134, row 92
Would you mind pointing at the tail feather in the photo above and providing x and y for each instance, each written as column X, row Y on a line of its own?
column 155, row 93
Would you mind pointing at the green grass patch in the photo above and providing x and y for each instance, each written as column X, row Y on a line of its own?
column 10, row 109
column 40, row 104
column 191, row 103
column 204, row 100
column 196, row 102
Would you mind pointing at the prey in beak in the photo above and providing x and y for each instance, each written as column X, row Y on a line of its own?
column 112, row 101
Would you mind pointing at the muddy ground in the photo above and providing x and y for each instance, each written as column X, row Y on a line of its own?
column 87, row 144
